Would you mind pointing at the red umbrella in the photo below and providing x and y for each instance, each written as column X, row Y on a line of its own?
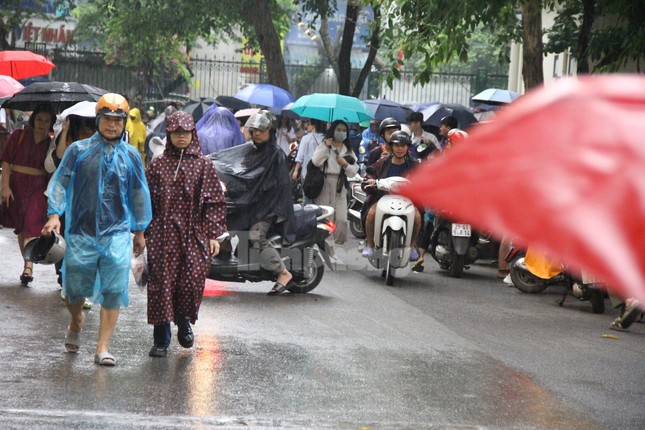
column 561, row 169
column 9, row 86
column 24, row 64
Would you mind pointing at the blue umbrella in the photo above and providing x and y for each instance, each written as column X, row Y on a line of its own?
column 382, row 109
column 330, row 107
column 265, row 95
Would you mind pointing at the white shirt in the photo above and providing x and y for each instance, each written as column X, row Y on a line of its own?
column 308, row 145
column 283, row 136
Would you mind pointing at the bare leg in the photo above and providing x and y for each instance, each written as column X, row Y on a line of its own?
column 416, row 228
column 76, row 312
column 284, row 277
column 504, row 246
column 106, row 327
column 369, row 226
column 28, row 269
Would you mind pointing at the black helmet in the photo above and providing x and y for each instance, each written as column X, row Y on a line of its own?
column 45, row 249
column 388, row 123
column 400, row 137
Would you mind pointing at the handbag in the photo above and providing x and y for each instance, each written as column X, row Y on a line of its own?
column 314, row 180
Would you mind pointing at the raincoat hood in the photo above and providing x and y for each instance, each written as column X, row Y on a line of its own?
column 184, row 121
column 136, row 113
column 257, row 182
column 218, row 130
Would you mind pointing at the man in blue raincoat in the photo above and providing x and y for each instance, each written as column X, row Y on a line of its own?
column 101, row 186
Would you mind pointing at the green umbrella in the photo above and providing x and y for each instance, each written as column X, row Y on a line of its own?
column 330, row 107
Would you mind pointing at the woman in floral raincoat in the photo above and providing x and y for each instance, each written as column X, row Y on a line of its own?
column 189, row 214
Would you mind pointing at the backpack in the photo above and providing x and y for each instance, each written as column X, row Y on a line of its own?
column 314, row 180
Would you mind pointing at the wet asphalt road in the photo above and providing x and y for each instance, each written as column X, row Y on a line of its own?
column 431, row 352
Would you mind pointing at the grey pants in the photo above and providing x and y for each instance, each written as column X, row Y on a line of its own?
column 269, row 257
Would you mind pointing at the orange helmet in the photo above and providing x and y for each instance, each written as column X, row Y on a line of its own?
column 456, row 136
column 111, row 104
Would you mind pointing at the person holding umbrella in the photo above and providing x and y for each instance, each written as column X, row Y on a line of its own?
column 336, row 152
column 24, row 180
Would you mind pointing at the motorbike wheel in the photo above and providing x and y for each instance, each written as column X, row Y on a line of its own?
column 314, row 271
column 457, row 265
column 357, row 229
column 525, row 281
column 597, row 299
column 396, row 245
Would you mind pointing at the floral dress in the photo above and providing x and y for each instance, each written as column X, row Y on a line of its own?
column 188, row 209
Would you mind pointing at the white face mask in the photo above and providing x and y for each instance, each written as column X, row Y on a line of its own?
column 340, row 136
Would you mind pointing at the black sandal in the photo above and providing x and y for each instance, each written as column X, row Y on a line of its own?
column 26, row 278
column 278, row 288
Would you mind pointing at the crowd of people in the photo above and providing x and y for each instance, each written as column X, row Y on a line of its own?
column 106, row 182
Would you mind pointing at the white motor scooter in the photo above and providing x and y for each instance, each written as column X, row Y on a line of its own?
column 393, row 226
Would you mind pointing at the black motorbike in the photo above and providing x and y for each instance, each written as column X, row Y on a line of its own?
column 454, row 246
column 356, row 199
column 304, row 257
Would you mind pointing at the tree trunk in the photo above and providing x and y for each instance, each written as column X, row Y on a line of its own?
column 269, row 44
column 532, row 43
column 375, row 42
column 588, row 13
column 344, row 56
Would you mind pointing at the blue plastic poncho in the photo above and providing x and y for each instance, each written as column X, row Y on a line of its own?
column 218, row 130
column 102, row 190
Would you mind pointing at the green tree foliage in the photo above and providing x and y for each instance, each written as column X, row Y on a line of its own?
column 603, row 35
column 440, row 31
column 154, row 36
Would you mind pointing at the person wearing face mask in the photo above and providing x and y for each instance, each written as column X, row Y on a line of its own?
column 341, row 163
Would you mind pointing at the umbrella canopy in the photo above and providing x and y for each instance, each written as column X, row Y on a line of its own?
column 9, row 86
column 432, row 115
column 246, row 112
column 197, row 108
column 265, row 95
column 495, row 96
column 418, row 107
column 84, row 109
column 575, row 194
column 330, row 107
column 60, row 94
column 286, row 111
column 23, row 64
column 232, row 103
column 382, row 109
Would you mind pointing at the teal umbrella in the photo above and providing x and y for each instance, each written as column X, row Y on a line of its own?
column 330, row 107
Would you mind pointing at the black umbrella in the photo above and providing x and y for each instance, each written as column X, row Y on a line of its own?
column 382, row 109
column 432, row 115
column 232, row 103
column 60, row 94
column 197, row 108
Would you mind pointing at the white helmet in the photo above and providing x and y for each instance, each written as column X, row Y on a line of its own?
column 46, row 249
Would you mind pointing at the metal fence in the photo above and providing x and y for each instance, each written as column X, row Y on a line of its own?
column 211, row 78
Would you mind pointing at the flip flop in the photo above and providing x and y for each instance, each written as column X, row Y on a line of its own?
column 72, row 341
column 277, row 289
column 104, row 359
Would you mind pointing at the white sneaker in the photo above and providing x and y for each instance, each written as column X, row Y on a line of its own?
column 508, row 280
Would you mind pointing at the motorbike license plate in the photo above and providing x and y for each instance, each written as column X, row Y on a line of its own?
column 461, row 230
